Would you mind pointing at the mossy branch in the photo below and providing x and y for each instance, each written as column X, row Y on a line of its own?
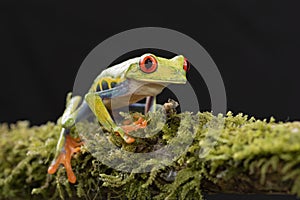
column 230, row 154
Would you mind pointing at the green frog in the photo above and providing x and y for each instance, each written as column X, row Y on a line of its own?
column 118, row 86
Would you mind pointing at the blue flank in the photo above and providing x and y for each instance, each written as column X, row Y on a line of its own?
column 119, row 90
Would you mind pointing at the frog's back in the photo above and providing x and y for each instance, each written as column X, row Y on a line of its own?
column 111, row 76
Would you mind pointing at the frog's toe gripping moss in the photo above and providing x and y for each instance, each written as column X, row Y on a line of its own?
column 140, row 123
column 71, row 146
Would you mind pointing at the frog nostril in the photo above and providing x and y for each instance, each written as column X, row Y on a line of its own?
column 186, row 65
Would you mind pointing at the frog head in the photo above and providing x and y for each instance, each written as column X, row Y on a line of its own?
column 153, row 69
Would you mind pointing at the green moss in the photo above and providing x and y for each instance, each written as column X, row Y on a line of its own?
column 228, row 154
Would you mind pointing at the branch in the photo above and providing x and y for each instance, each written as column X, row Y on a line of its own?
column 230, row 154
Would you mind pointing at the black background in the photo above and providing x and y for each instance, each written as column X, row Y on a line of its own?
column 255, row 45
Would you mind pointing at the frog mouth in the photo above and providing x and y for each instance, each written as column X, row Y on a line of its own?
column 163, row 82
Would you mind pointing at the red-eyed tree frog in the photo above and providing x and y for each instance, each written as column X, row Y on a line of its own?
column 121, row 85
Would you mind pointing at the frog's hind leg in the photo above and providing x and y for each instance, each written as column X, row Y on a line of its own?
column 66, row 147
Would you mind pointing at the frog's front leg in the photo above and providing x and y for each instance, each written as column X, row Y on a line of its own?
column 98, row 108
column 67, row 145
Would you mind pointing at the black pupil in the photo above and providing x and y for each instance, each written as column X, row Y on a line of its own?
column 148, row 63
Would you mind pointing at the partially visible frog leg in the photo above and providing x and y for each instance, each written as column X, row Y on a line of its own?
column 98, row 108
column 150, row 104
column 67, row 145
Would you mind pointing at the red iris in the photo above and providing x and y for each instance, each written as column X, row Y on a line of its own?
column 186, row 65
column 148, row 64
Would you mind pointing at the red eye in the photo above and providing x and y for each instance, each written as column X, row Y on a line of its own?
column 186, row 65
column 148, row 64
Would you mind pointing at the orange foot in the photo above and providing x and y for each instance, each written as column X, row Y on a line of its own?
column 71, row 146
column 140, row 123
